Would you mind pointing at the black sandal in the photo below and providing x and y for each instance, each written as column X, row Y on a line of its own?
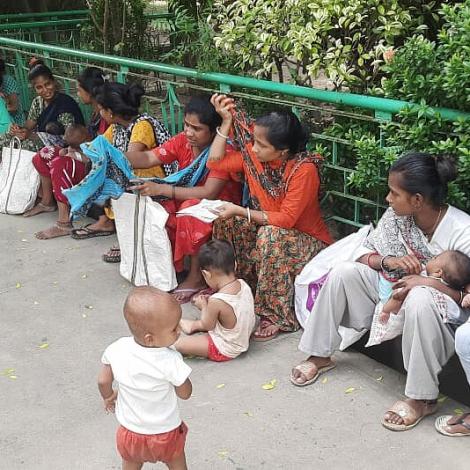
column 113, row 255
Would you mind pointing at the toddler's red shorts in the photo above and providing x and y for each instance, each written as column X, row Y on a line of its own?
column 213, row 353
column 164, row 447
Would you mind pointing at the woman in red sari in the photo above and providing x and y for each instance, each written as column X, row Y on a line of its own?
column 188, row 234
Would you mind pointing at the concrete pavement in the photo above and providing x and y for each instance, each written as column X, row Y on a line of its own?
column 60, row 294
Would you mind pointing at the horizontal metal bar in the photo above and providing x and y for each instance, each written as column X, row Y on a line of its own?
column 44, row 14
column 42, row 24
column 349, row 99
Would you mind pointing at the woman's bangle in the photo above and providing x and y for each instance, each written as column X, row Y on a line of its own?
column 368, row 258
column 382, row 263
column 173, row 192
column 248, row 215
column 220, row 133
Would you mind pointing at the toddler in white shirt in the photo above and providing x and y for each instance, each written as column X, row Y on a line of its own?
column 150, row 375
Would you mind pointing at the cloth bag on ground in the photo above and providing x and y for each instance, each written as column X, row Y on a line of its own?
column 146, row 254
column 309, row 282
column 19, row 180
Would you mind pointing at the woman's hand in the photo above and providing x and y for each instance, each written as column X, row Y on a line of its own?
column 229, row 210
column 409, row 264
column 151, row 189
column 224, row 105
column 20, row 132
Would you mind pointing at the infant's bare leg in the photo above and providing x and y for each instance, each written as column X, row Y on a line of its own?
column 178, row 463
column 195, row 345
column 126, row 465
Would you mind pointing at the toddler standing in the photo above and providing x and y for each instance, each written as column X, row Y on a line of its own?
column 228, row 316
column 150, row 375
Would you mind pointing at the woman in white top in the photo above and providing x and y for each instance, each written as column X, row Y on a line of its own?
column 417, row 222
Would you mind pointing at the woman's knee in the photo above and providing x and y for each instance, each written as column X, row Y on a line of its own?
column 462, row 341
column 345, row 271
column 419, row 302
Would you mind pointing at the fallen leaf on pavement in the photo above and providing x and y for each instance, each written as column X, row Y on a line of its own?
column 379, row 379
column 458, row 411
column 350, row 390
column 18, row 285
column 222, row 453
column 269, row 385
column 220, row 386
column 43, row 345
column 325, row 380
column 248, row 413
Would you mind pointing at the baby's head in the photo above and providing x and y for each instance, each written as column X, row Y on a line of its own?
column 54, row 128
column 153, row 317
column 451, row 266
column 217, row 260
column 75, row 135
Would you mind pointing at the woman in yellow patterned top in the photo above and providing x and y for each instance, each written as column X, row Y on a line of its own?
column 128, row 130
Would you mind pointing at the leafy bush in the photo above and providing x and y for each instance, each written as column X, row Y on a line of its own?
column 303, row 39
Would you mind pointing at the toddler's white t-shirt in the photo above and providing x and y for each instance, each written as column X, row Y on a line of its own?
column 146, row 378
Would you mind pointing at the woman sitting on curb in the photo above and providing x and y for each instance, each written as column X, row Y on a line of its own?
column 128, row 130
column 418, row 220
column 282, row 228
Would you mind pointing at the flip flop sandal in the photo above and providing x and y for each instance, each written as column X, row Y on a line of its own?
column 90, row 233
column 188, row 294
column 43, row 208
column 306, row 366
column 441, row 424
column 112, row 256
column 408, row 414
column 263, row 338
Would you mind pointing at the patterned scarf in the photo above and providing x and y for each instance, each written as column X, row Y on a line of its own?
column 399, row 236
column 270, row 179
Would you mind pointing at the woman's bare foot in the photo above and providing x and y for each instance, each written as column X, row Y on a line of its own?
column 60, row 229
column 308, row 371
column 453, row 426
column 106, row 225
column 39, row 208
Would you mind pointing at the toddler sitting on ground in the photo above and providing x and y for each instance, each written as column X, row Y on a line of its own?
column 451, row 267
column 150, row 376
column 228, row 316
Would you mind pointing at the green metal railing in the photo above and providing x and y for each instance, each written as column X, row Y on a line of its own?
column 64, row 28
column 168, row 86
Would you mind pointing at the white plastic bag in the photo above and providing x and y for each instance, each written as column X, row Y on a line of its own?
column 146, row 254
column 19, row 180
column 203, row 210
column 320, row 265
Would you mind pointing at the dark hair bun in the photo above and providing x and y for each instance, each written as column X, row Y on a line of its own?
column 37, row 68
column 446, row 168
column 134, row 95
column 285, row 131
column 91, row 79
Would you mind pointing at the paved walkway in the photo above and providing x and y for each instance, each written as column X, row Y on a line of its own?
column 60, row 306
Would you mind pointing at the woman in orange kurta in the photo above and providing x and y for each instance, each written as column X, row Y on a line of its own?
column 281, row 228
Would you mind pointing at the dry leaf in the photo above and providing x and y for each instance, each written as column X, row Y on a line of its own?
column 269, row 385
column 18, row 285
column 325, row 380
column 458, row 411
column 44, row 345
column 222, row 453
column 379, row 379
column 89, row 307
column 220, row 386
column 8, row 371
column 441, row 398
column 248, row 413
column 13, row 377
column 350, row 390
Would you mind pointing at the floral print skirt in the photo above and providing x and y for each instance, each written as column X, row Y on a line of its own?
column 268, row 259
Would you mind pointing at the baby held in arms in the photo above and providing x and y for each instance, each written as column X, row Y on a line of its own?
column 450, row 267
column 227, row 317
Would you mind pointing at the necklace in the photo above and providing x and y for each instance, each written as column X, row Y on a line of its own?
column 228, row 283
column 428, row 234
